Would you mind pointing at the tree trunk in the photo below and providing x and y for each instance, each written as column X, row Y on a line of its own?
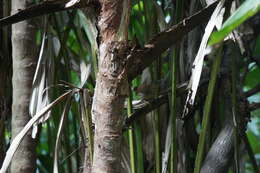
column 24, row 60
column 111, row 89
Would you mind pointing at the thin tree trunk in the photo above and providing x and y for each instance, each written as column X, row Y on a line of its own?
column 111, row 89
column 24, row 60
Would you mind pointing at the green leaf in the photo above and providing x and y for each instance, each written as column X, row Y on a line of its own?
column 245, row 11
column 253, row 140
column 252, row 78
column 257, row 47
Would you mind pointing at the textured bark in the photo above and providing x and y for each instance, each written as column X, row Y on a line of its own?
column 111, row 90
column 24, row 60
column 220, row 153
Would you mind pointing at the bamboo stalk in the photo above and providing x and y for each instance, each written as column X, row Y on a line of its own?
column 130, row 133
column 207, row 109
column 175, row 76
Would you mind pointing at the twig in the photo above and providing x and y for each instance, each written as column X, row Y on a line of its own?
column 254, row 106
column 153, row 104
column 73, row 152
column 253, row 91
column 43, row 8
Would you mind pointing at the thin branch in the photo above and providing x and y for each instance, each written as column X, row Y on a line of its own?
column 140, row 58
column 43, row 8
column 253, row 91
column 254, row 106
column 162, row 99
column 150, row 106
column 153, row 104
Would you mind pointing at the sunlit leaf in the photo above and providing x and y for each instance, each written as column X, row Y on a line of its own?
column 253, row 140
column 252, row 78
column 245, row 11
column 257, row 46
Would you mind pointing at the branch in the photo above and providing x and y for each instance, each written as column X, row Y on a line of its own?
column 254, row 106
column 157, row 102
column 154, row 104
column 150, row 106
column 140, row 58
column 45, row 7
column 253, row 91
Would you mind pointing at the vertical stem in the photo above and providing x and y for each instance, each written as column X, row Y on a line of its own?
column 95, row 60
column 174, row 78
column 173, row 163
column 67, row 147
column 87, row 123
column 130, row 133
column 157, row 143
column 234, row 111
column 75, row 122
column 139, row 148
column 158, row 157
column 206, row 112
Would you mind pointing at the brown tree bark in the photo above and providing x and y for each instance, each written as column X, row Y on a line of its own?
column 111, row 88
column 24, row 61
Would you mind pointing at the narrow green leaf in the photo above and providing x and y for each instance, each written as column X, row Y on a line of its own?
column 131, row 133
column 244, row 12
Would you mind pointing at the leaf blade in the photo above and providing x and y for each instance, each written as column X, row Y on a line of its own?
column 244, row 12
